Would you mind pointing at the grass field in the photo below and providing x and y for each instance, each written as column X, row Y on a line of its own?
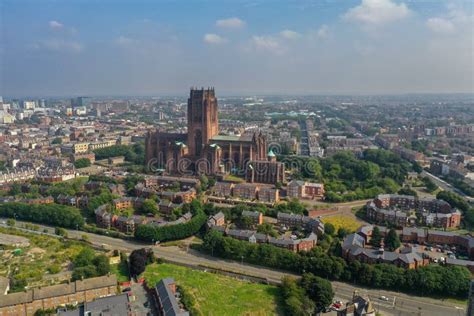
column 44, row 257
column 121, row 271
column 345, row 221
column 219, row 295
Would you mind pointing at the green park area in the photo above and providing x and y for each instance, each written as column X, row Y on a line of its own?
column 215, row 294
column 42, row 261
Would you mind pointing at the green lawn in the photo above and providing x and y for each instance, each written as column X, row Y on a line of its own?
column 219, row 295
column 121, row 271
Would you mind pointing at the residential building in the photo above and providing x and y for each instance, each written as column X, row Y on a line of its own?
column 31, row 300
column 165, row 295
column 117, row 305
column 256, row 217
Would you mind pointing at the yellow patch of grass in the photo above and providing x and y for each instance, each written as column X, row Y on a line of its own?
column 347, row 222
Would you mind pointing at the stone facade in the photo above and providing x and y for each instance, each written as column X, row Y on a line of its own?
column 202, row 149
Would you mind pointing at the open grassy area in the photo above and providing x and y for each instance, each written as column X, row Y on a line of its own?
column 345, row 221
column 45, row 261
column 121, row 271
column 219, row 295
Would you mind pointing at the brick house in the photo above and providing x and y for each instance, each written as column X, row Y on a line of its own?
column 29, row 301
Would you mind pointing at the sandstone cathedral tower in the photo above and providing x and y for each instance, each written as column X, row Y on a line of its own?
column 202, row 150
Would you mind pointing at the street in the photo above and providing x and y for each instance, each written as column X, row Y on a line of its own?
column 404, row 304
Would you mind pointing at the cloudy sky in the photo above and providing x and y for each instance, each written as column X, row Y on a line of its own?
column 153, row 47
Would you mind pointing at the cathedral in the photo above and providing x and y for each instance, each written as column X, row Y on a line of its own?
column 203, row 151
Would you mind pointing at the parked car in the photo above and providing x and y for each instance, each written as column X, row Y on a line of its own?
column 383, row 298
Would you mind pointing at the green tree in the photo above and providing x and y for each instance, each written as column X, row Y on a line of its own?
column 11, row 222
column 149, row 206
column 267, row 229
column 376, row 239
column 57, row 141
column 60, row 231
column 392, row 241
column 85, row 272
column 296, row 302
column 329, row 229
column 101, row 264
column 84, row 258
column 82, row 163
column 319, row 290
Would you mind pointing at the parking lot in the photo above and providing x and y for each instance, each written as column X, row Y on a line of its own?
column 436, row 252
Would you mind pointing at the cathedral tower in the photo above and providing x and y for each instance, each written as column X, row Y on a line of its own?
column 202, row 119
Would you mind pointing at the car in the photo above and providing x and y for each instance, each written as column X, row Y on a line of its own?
column 435, row 260
column 383, row 298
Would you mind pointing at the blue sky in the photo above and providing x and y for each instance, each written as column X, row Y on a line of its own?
column 145, row 47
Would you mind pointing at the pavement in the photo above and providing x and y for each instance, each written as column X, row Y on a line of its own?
column 142, row 303
column 398, row 304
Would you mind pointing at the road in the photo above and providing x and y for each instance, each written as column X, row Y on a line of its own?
column 398, row 304
column 446, row 186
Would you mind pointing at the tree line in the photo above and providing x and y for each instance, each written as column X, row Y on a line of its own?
column 50, row 214
column 173, row 232
column 347, row 177
column 459, row 202
column 428, row 280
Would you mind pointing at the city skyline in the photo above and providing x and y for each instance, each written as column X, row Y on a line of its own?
column 287, row 48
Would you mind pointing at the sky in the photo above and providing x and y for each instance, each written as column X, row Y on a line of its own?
column 158, row 47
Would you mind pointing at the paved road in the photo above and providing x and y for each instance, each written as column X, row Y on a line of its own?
column 446, row 186
column 404, row 304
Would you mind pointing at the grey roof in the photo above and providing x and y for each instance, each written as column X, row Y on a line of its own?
column 251, row 213
column 459, row 262
column 167, row 298
column 116, row 305
column 413, row 230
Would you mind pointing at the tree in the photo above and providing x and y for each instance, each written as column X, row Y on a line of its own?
column 296, row 302
column 341, row 232
column 204, row 182
column 60, row 231
column 319, row 290
column 430, row 185
column 376, row 239
column 82, row 163
column 149, row 206
column 85, row 272
column 329, row 229
column 11, row 222
column 392, row 241
column 406, row 190
column 138, row 259
column 267, row 229
column 15, row 189
column 57, row 141
column 101, row 264
column 84, row 258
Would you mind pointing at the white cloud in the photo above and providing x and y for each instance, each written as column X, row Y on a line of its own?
column 289, row 34
column 267, row 44
column 55, row 25
column 440, row 25
column 231, row 23
column 123, row 40
column 454, row 20
column 377, row 12
column 323, row 31
column 59, row 45
column 213, row 39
